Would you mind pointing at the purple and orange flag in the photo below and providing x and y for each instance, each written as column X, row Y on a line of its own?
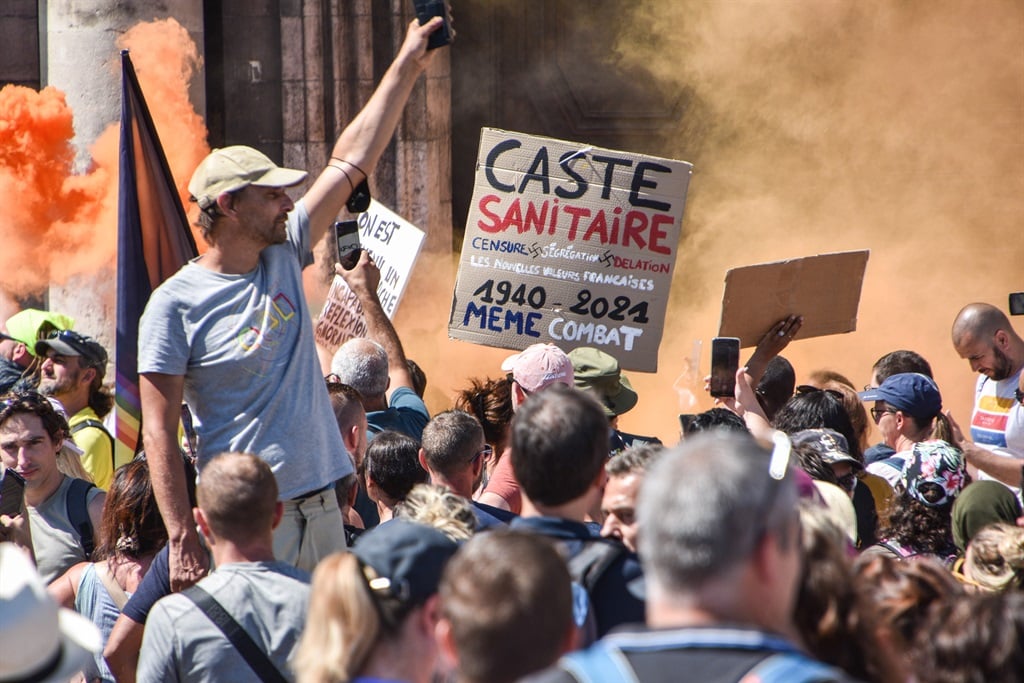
column 153, row 242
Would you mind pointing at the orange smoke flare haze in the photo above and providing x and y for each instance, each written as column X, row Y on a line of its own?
column 817, row 127
column 59, row 224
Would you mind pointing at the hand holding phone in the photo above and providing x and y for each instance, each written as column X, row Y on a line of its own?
column 725, row 361
column 12, row 493
column 347, row 236
column 427, row 10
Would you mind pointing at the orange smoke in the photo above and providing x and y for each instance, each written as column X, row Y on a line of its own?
column 826, row 126
column 59, row 224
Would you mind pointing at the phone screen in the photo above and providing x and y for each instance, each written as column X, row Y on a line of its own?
column 725, row 361
column 347, row 234
column 12, row 493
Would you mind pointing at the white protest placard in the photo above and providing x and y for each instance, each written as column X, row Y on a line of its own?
column 569, row 244
column 394, row 244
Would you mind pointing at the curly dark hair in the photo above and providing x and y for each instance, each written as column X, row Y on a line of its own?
column 917, row 526
column 490, row 402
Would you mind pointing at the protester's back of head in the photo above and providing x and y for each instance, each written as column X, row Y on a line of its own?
column 392, row 463
column 813, row 408
column 131, row 525
column 559, row 444
column 995, row 558
column 365, row 600
column 450, row 440
column 898, row 362
column 504, row 618
column 237, row 493
column 490, row 402
column 776, row 385
column 438, row 507
column 363, row 365
column 972, row 639
column 715, row 419
column 705, row 506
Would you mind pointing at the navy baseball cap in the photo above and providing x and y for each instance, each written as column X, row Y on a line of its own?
column 911, row 392
column 407, row 559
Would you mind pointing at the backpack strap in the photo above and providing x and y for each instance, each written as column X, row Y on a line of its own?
column 589, row 565
column 253, row 655
column 600, row 663
column 790, row 668
column 89, row 422
column 115, row 591
column 77, row 507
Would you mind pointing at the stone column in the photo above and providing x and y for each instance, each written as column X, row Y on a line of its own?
column 81, row 59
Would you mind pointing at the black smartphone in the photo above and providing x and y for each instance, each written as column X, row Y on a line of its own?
column 427, row 10
column 12, row 493
column 347, row 235
column 1017, row 303
column 686, row 421
column 725, row 361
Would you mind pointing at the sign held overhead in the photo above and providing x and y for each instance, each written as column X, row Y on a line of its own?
column 824, row 289
column 569, row 244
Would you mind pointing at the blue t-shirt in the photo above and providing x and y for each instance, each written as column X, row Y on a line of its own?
column 406, row 413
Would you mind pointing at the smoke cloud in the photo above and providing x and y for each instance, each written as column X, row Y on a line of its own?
column 827, row 126
column 60, row 224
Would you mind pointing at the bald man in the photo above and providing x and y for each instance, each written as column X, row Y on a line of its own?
column 983, row 336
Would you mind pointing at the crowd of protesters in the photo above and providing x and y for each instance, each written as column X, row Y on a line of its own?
column 321, row 529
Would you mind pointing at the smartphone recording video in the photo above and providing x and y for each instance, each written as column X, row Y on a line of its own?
column 725, row 361
column 346, row 234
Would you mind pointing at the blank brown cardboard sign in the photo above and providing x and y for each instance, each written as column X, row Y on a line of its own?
column 824, row 289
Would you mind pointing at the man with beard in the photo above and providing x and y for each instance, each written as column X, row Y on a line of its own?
column 72, row 372
column 230, row 333
column 983, row 336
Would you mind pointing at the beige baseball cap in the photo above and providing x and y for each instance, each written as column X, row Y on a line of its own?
column 231, row 168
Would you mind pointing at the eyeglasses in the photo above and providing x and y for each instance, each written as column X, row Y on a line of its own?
column 877, row 413
column 485, row 452
column 84, row 345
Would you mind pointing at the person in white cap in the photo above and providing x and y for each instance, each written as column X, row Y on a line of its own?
column 231, row 334
column 40, row 641
column 537, row 367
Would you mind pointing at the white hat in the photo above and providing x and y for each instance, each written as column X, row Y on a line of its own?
column 41, row 641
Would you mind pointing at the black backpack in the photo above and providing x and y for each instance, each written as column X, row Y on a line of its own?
column 89, row 422
column 77, row 507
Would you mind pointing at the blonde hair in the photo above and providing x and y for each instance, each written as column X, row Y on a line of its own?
column 70, row 464
column 994, row 560
column 436, row 506
column 343, row 624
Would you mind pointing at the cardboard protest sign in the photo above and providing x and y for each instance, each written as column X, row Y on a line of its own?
column 824, row 289
column 569, row 244
column 394, row 243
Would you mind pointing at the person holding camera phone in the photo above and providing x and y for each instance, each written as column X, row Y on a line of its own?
column 231, row 335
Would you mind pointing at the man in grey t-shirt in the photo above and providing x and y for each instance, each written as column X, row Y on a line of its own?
column 237, row 512
column 231, row 334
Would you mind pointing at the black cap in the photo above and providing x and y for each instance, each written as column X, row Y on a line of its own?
column 71, row 343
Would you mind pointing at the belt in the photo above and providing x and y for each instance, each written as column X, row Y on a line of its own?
column 315, row 492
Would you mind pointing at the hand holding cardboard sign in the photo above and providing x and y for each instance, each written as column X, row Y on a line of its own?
column 772, row 343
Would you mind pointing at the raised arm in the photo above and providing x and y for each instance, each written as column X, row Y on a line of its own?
column 361, row 144
column 161, row 409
